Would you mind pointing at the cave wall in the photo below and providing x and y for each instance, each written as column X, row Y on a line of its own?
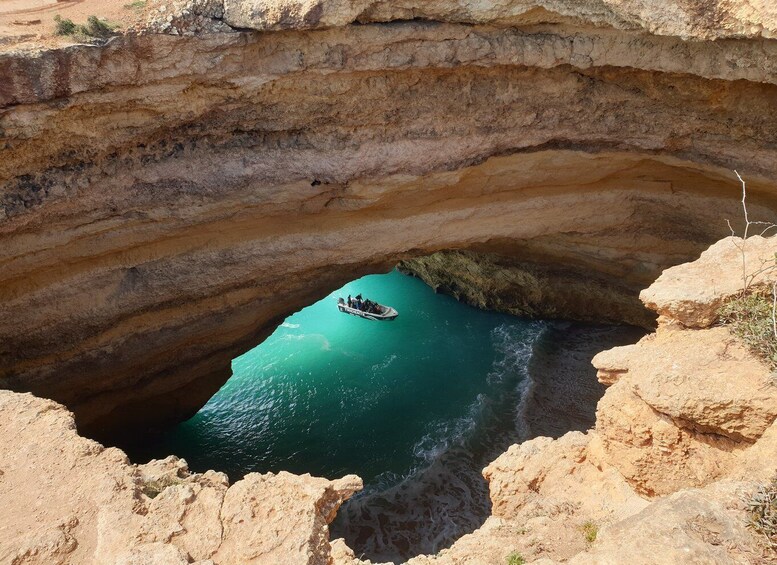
column 503, row 283
column 165, row 201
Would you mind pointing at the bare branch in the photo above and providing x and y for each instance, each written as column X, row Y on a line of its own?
column 731, row 229
column 766, row 229
column 745, row 282
column 744, row 202
column 748, row 279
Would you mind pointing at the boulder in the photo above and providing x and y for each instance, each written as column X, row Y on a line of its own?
column 706, row 381
column 692, row 526
column 692, row 293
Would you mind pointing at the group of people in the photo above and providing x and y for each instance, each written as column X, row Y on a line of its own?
column 363, row 305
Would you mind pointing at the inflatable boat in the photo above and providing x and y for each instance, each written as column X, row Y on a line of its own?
column 379, row 312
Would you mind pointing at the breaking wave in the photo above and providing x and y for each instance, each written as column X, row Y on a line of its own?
column 444, row 495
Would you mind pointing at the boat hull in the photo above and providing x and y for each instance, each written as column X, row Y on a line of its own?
column 389, row 316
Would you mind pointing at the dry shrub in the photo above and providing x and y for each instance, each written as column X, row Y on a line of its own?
column 749, row 317
column 762, row 508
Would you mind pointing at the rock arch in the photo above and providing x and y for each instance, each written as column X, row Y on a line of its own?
column 166, row 201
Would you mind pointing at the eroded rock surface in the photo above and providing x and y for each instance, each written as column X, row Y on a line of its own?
column 706, row 378
column 167, row 199
column 706, row 525
column 684, row 19
column 67, row 499
column 497, row 281
column 722, row 272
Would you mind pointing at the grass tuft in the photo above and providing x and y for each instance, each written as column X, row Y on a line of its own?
column 64, row 26
column 152, row 488
column 762, row 510
column 136, row 5
column 750, row 318
column 94, row 28
column 590, row 531
column 515, row 558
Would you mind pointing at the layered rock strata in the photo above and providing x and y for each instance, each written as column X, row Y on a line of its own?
column 687, row 19
column 496, row 281
column 165, row 200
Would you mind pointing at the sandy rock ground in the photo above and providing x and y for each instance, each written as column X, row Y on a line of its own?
column 696, row 306
column 30, row 23
column 70, row 500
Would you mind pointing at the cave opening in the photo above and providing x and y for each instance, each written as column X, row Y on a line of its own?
column 416, row 407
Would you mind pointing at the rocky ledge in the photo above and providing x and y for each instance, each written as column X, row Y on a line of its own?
column 684, row 434
column 69, row 500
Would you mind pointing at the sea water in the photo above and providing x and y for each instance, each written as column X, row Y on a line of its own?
column 416, row 407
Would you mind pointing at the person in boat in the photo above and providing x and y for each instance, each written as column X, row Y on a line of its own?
column 350, row 302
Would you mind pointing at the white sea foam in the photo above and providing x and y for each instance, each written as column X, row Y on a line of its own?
column 517, row 350
column 444, row 434
column 515, row 345
column 445, row 495
column 290, row 326
column 419, row 513
column 325, row 345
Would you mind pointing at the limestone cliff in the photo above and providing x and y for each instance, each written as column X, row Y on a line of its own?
column 684, row 433
column 167, row 197
column 494, row 281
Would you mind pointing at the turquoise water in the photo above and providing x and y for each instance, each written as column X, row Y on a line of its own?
column 416, row 407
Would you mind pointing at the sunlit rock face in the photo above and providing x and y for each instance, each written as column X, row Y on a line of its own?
column 167, row 200
column 92, row 506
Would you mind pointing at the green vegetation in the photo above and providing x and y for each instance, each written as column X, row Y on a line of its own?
column 152, row 488
column 750, row 317
column 762, row 508
column 94, row 28
column 136, row 5
column 64, row 26
column 515, row 558
column 590, row 531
